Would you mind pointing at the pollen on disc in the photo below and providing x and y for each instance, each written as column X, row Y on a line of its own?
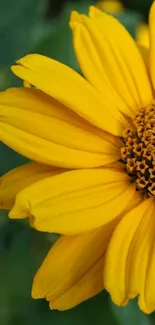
column 138, row 152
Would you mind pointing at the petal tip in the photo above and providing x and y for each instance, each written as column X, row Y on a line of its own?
column 35, row 293
column 25, row 60
column 16, row 70
column 144, row 306
column 13, row 68
column 14, row 214
column 19, row 61
column 94, row 12
column 53, row 306
column 75, row 17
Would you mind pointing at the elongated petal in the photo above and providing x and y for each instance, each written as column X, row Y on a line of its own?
column 75, row 201
column 146, row 299
column 36, row 101
column 152, row 43
column 110, row 60
column 138, row 254
column 18, row 178
column 37, row 127
column 38, row 114
column 47, row 152
column 72, row 271
column 116, row 272
column 136, row 200
column 69, row 88
column 90, row 284
column 131, row 66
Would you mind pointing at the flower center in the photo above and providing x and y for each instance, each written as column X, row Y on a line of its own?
column 138, row 152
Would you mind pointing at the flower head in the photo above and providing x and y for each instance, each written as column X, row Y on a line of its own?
column 92, row 141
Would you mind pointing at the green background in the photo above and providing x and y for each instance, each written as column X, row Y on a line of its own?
column 28, row 26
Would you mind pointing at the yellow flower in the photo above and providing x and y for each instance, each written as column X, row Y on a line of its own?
column 99, row 133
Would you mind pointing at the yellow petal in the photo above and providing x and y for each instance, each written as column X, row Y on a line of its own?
column 93, row 65
column 152, row 42
column 18, row 178
column 146, row 299
column 29, row 113
column 138, row 254
column 72, row 271
column 71, row 89
column 87, row 287
column 47, row 152
column 136, row 200
column 75, row 201
column 36, row 101
column 91, row 283
column 111, row 60
column 116, row 272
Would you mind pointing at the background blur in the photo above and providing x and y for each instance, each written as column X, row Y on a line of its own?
column 28, row 26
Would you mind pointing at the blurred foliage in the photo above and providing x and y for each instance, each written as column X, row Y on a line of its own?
column 19, row 27
column 130, row 314
column 22, row 24
column 141, row 6
column 41, row 26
